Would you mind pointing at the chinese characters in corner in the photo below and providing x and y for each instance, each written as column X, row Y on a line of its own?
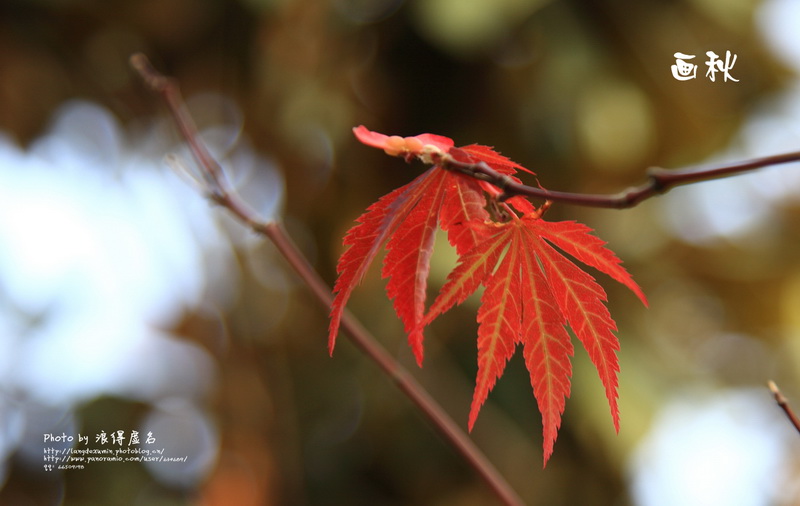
column 684, row 70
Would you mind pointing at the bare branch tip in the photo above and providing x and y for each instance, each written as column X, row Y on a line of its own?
column 779, row 398
column 151, row 77
column 141, row 64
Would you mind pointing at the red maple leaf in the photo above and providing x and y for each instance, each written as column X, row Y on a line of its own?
column 532, row 291
column 407, row 218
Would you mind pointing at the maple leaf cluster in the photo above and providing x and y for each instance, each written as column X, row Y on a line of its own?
column 532, row 291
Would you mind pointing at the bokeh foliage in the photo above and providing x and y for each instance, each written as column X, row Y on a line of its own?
column 580, row 92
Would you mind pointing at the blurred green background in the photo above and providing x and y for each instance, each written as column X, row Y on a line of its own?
column 579, row 92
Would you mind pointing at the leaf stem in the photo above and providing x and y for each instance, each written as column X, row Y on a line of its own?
column 219, row 191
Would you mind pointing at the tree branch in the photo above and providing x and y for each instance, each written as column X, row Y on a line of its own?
column 220, row 191
column 659, row 181
column 784, row 405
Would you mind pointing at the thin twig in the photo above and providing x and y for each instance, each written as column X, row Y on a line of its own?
column 784, row 405
column 220, row 191
column 659, row 181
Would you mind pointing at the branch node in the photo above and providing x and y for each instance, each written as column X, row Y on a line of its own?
column 656, row 182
